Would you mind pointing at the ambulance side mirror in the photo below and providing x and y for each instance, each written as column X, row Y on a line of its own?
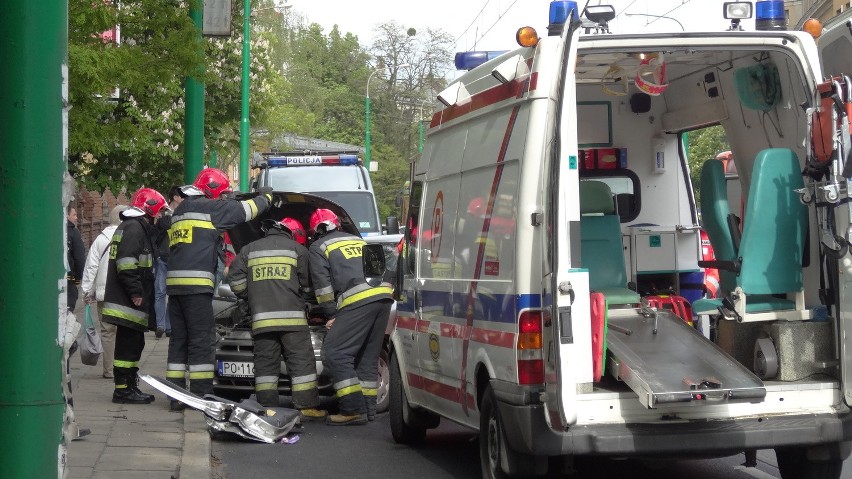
column 373, row 256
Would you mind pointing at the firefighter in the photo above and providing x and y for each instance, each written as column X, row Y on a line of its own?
column 272, row 274
column 359, row 314
column 195, row 237
column 129, row 292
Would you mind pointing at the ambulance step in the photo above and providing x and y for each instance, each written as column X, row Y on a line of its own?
column 676, row 365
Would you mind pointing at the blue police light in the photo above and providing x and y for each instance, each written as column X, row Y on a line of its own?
column 559, row 10
column 330, row 160
column 471, row 60
column 769, row 15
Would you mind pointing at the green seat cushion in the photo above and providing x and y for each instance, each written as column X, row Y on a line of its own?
column 757, row 303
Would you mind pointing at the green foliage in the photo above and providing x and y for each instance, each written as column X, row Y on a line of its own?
column 704, row 144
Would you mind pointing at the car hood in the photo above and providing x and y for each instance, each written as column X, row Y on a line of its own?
column 299, row 206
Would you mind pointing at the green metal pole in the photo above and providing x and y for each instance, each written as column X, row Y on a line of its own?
column 34, row 49
column 244, row 121
column 193, row 152
column 367, row 139
column 420, row 144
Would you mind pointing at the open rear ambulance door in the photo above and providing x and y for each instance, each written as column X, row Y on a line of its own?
column 568, row 285
column 835, row 51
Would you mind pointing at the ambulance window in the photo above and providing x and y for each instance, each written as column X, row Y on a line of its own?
column 624, row 185
column 408, row 249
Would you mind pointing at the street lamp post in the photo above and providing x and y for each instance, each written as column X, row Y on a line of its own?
column 656, row 16
column 420, row 124
column 246, row 84
column 367, row 128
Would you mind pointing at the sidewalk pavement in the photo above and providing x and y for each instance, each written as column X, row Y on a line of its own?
column 135, row 441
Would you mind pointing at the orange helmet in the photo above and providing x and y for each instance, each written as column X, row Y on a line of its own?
column 212, row 182
column 296, row 229
column 324, row 217
column 148, row 201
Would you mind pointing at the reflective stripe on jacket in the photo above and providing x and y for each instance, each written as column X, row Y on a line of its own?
column 271, row 273
column 337, row 270
column 130, row 273
column 194, row 235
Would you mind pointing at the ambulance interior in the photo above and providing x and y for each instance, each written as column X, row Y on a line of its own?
column 634, row 107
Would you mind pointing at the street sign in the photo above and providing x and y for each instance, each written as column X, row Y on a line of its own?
column 217, row 18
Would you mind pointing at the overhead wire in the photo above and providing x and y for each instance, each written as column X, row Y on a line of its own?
column 478, row 15
column 683, row 2
column 472, row 22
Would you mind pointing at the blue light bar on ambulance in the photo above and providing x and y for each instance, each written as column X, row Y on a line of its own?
column 332, row 160
column 559, row 10
column 770, row 15
column 471, row 60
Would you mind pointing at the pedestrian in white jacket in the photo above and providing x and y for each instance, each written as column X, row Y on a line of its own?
column 94, row 283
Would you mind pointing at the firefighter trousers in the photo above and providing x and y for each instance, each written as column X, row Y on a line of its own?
column 129, row 344
column 298, row 353
column 351, row 351
column 192, row 344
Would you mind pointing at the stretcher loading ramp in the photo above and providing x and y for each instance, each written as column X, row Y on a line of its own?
column 675, row 365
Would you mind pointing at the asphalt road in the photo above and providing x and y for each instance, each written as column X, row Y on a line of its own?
column 450, row 451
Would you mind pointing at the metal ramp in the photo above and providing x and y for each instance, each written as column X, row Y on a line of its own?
column 677, row 365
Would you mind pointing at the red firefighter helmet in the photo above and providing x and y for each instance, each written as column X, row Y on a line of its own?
column 324, row 217
column 476, row 207
column 212, row 182
column 148, row 201
column 296, row 229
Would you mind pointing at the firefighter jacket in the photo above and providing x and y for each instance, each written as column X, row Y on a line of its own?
column 271, row 273
column 337, row 271
column 195, row 237
column 130, row 273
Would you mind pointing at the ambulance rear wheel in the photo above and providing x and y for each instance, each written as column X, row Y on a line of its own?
column 383, row 398
column 494, row 451
column 406, row 425
column 793, row 463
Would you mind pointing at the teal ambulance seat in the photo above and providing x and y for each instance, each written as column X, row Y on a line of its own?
column 600, row 241
column 715, row 212
column 769, row 259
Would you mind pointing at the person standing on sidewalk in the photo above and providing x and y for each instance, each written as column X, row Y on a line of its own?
column 352, row 346
column 94, row 284
column 195, row 238
column 76, row 257
column 129, row 292
column 272, row 274
column 161, row 265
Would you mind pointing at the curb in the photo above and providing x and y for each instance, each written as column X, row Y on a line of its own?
column 195, row 460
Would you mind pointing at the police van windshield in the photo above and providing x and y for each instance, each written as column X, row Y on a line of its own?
column 360, row 207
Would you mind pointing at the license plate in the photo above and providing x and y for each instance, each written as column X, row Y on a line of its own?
column 234, row 369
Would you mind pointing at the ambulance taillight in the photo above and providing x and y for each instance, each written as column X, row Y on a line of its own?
column 529, row 344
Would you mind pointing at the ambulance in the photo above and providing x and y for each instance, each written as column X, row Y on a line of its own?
column 552, row 202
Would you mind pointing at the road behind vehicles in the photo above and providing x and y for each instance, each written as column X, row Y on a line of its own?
column 336, row 176
column 234, row 350
column 553, row 197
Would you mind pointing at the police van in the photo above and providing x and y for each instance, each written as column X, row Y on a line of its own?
column 337, row 176
column 553, row 217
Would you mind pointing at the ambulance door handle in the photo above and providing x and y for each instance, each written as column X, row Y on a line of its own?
column 418, row 301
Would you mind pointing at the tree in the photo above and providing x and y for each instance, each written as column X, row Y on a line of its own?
column 704, row 144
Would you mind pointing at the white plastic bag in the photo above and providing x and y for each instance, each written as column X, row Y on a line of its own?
column 90, row 348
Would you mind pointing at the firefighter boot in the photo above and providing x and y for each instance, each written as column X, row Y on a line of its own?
column 371, row 407
column 135, row 386
column 125, row 389
column 313, row 414
column 344, row 419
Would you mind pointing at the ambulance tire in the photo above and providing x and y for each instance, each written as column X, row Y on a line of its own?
column 383, row 398
column 494, row 450
column 793, row 463
column 407, row 427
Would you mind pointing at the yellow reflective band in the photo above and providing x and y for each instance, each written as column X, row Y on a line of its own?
column 350, row 249
column 125, row 364
column 189, row 282
column 268, row 323
column 201, row 375
column 176, row 374
column 271, row 272
column 121, row 386
column 366, row 294
column 238, row 287
column 273, row 260
column 355, row 388
column 126, row 316
column 324, row 298
column 265, row 386
column 125, row 266
column 181, row 231
column 305, row 386
column 253, row 207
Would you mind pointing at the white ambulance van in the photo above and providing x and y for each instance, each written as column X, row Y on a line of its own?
column 552, row 216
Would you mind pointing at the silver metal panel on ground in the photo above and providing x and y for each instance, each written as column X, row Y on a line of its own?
column 677, row 365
